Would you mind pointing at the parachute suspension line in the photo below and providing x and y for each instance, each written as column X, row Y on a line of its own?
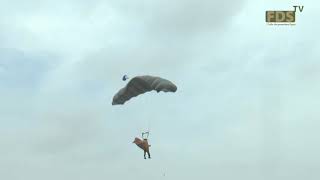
column 148, row 125
column 134, row 88
column 145, row 135
column 146, row 132
column 145, row 129
column 148, row 101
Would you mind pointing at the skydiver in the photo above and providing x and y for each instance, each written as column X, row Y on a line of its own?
column 143, row 144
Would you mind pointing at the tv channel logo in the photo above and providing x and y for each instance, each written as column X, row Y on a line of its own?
column 283, row 17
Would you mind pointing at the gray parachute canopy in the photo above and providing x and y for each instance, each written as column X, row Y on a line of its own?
column 142, row 84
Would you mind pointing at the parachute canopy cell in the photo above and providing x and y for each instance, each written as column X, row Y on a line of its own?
column 140, row 85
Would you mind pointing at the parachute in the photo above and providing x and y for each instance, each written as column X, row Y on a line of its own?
column 140, row 85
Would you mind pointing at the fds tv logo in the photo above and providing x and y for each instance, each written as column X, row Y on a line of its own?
column 282, row 17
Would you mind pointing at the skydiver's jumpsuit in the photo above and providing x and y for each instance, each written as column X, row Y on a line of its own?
column 144, row 145
column 146, row 150
column 145, row 139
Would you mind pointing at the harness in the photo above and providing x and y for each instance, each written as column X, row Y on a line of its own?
column 145, row 135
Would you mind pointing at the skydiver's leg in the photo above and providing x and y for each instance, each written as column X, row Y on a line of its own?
column 149, row 154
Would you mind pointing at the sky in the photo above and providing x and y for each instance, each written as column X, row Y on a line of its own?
column 246, row 107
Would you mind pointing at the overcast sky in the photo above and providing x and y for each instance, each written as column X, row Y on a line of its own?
column 247, row 105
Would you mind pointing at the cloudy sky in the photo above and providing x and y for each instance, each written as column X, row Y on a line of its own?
column 246, row 106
